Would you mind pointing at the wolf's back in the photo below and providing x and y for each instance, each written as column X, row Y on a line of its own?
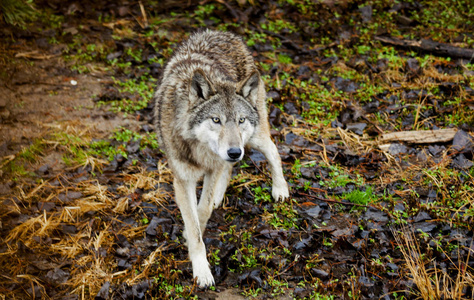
column 222, row 56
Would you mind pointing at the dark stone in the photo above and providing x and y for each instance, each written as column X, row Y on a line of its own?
column 366, row 13
column 413, row 66
column 345, row 85
column 68, row 229
column 103, row 293
column 151, row 229
column 463, row 142
column 57, row 276
column 422, row 216
column 320, row 273
column 47, row 206
column 114, row 55
column 274, row 95
column 357, row 128
column 396, row 149
column 43, row 170
column 314, row 212
column 425, row 227
column 460, row 162
column 375, row 215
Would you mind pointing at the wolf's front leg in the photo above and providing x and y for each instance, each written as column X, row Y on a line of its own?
column 187, row 202
column 264, row 144
column 214, row 186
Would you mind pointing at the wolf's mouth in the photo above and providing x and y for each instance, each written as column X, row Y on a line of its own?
column 233, row 160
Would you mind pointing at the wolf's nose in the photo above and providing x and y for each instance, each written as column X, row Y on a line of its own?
column 234, row 153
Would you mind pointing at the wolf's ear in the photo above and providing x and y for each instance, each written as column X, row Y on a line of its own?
column 249, row 89
column 200, row 86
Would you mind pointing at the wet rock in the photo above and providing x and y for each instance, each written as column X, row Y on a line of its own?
column 70, row 196
column 275, row 116
column 43, row 170
column 256, row 156
column 251, row 278
column 320, row 273
column 308, row 172
column 463, row 142
column 114, row 55
column 422, row 156
column 366, row 13
column 303, row 243
column 57, row 276
column 290, row 108
column 122, row 241
column 296, row 140
column 336, row 123
column 357, row 128
column 304, row 72
column 274, row 95
column 393, row 267
column 133, row 147
column 103, row 293
column 372, row 106
column 366, row 282
column 69, row 229
column 314, row 212
column 425, row 227
column 435, row 150
column 382, row 65
column 123, row 264
column 301, row 293
column 46, row 206
column 460, row 162
column 375, row 215
column 397, row 149
column 422, row 216
column 413, row 66
column 151, row 228
column 345, row 85
column 139, row 290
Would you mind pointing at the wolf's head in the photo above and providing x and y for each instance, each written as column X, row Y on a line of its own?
column 224, row 114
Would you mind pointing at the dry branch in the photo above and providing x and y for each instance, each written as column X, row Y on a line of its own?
column 421, row 136
column 436, row 48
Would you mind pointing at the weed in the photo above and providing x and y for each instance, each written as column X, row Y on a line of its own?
column 361, row 197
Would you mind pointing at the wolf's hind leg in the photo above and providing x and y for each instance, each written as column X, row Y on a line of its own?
column 213, row 190
column 187, row 202
column 264, row 144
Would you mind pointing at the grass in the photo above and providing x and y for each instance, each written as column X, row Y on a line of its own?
column 432, row 281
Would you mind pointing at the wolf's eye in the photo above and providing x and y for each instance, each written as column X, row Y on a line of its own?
column 216, row 120
column 241, row 120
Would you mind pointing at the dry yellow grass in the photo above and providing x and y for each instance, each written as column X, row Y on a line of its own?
column 433, row 283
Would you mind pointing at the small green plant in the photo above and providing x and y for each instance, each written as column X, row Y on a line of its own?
column 361, row 197
column 261, row 195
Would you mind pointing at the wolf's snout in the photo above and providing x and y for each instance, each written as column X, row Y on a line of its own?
column 234, row 153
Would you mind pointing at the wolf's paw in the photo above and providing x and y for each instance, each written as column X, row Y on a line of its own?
column 202, row 272
column 280, row 191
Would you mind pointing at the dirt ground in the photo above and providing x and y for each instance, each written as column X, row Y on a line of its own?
column 87, row 206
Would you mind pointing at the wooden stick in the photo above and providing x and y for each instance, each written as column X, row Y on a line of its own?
column 421, row 136
column 436, row 48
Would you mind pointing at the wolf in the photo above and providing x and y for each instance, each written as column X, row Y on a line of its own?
column 210, row 105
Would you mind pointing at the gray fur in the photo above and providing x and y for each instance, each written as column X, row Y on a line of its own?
column 210, row 104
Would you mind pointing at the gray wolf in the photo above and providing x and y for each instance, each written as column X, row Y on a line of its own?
column 209, row 105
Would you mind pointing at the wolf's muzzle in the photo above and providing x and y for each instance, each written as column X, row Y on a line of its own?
column 234, row 153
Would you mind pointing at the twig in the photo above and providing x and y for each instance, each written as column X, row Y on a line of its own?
column 142, row 9
column 260, row 170
column 441, row 49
